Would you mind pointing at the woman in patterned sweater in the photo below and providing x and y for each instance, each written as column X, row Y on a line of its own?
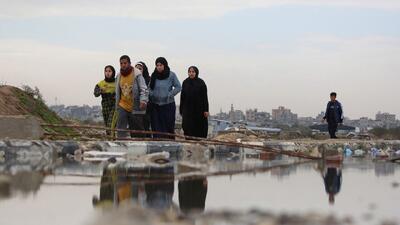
column 106, row 88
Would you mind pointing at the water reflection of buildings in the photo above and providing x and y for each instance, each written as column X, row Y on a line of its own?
column 380, row 168
column 23, row 175
column 71, row 167
column 228, row 158
column 384, row 168
column 22, row 183
column 284, row 171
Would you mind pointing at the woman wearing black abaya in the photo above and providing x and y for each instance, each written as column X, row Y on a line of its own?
column 194, row 105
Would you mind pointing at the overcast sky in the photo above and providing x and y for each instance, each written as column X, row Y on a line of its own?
column 253, row 54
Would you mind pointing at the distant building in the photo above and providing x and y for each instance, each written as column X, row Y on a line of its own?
column 253, row 115
column 386, row 120
column 82, row 113
column 284, row 116
column 385, row 117
column 221, row 116
column 364, row 124
column 320, row 116
column 306, row 121
column 236, row 115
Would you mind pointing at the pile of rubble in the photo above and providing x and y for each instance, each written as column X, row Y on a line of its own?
column 240, row 134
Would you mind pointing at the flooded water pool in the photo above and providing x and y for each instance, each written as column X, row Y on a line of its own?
column 367, row 194
column 362, row 191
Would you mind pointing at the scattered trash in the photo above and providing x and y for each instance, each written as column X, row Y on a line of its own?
column 97, row 156
column 348, row 152
column 374, row 151
column 359, row 153
column 379, row 153
column 159, row 158
column 237, row 137
column 112, row 160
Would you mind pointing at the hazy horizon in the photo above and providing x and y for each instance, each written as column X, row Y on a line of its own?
column 253, row 54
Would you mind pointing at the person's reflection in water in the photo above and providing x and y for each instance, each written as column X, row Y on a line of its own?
column 159, row 195
column 108, row 188
column 133, row 189
column 160, row 188
column 192, row 195
column 332, row 180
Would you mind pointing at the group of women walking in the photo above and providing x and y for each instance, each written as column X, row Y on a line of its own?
column 134, row 100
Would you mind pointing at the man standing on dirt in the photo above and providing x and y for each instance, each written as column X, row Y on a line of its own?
column 131, row 94
column 333, row 115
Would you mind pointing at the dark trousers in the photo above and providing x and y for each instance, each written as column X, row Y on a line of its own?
column 125, row 120
column 163, row 119
column 141, row 122
column 332, row 128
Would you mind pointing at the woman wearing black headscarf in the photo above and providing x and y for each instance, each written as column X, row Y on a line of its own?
column 194, row 105
column 141, row 117
column 106, row 89
column 164, row 86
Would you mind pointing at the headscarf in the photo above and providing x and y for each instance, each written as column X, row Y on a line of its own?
column 112, row 78
column 157, row 75
column 196, row 70
column 145, row 72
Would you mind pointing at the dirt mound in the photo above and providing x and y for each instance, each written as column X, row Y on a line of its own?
column 14, row 101
column 10, row 104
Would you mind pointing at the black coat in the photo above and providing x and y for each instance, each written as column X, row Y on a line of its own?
column 194, row 102
column 334, row 112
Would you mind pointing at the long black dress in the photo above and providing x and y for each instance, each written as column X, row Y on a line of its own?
column 194, row 102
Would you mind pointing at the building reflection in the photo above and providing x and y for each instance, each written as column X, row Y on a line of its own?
column 23, row 183
column 383, row 168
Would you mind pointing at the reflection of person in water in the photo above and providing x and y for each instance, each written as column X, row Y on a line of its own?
column 159, row 195
column 192, row 195
column 133, row 189
column 112, row 190
column 332, row 181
